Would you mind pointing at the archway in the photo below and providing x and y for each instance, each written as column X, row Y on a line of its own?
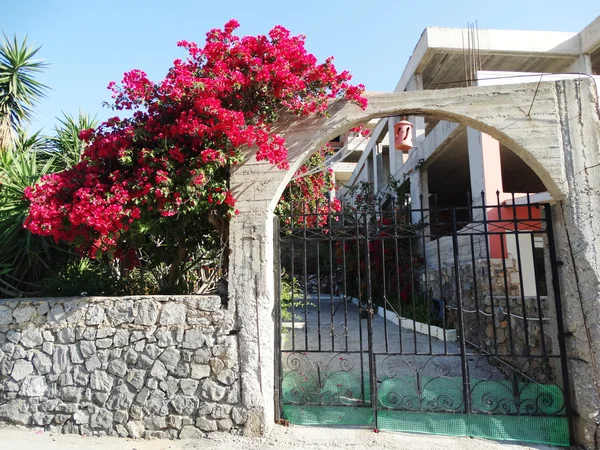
column 500, row 111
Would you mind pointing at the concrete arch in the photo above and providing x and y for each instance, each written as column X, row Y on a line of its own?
column 499, row 111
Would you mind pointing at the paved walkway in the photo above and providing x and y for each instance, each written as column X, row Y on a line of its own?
column 292, row 438
column 330, row 330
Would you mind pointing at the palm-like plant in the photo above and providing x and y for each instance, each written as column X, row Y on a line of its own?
column 65, row 144
column 24, row 258
column 19, row 89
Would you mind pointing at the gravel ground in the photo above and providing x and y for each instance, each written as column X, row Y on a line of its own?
column 294, row 437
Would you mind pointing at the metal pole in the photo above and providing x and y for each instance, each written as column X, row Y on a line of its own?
column 370, row 313
column 461, row 321
column 559, row 318
column 277, row 272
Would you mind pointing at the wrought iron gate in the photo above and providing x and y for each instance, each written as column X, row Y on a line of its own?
column 436, row 320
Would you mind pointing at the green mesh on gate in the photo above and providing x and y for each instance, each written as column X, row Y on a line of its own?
column 343, row 407
column 543, row 430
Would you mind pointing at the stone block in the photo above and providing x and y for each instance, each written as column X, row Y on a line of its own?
column 94, row 315
column 152, row 351
column 158, row 370
column 239, row 415
column 61, row 361
column 13, row 336
column 169, row 338
column 42, row 363
column 121, row 338
column 200, row 371
column 221, row 411
column 31, row 337
column 56, row 314
column 80, row 376
column 65, row 336
column 224, row 424
column 104, row 343
column 87, row 348
column 117, row 368
column 76, row 356
column 5, row 315
column 191, row 432
column 101, row 381
column 155, row 423
column 101, row 419
column 121, row 397
column 33, row 386
column 170, row 358
column 135, row 428
column 121, row 312
column 121, row 416
column 147, row 312
column 136, row 378
column 157, row 404
column 15, row 411
column 72, row 394
column 216, row 365
column 173, row 314
column 212, row 391
column 131, row 356
column 206, row 424
column 21, row 369
column 227, row 377
column 185, row 405
column 209, row 303
column 105, row 332
column 188, row 387
column 93, row 363
column 193, row 339
column 169, row 386
column 23, row 313
column 174, row 421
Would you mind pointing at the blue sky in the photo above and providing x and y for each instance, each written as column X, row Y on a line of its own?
column 90, row 43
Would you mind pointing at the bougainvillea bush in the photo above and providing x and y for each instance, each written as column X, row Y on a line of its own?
column 152, row 188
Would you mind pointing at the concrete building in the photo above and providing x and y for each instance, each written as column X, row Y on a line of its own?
column 451, row 165
column 454, row 159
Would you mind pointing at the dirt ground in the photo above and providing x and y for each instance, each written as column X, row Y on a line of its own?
column 294, row 437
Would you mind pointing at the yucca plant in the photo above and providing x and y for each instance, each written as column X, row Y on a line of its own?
column 24, row 258
column 19, row 89
column 65, row 144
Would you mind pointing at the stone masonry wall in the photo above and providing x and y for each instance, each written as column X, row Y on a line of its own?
column 487, row 322
column 159, row 366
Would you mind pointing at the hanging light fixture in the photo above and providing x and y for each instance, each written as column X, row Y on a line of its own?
column 403, row 135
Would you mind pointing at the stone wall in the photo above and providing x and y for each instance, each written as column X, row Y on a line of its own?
column 502, row 321
column 159, row 366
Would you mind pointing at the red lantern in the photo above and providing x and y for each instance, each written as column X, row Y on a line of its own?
column 403, row 135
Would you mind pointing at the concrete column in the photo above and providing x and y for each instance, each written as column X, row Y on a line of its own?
column 391, row 122
column 251, row 287
column 485, row 167
column 419, row 195
column 583, row 64
column 578, row 248
column 375, row 180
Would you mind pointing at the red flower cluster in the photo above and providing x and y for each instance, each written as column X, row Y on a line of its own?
column 307, row 198
column 171, row 159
